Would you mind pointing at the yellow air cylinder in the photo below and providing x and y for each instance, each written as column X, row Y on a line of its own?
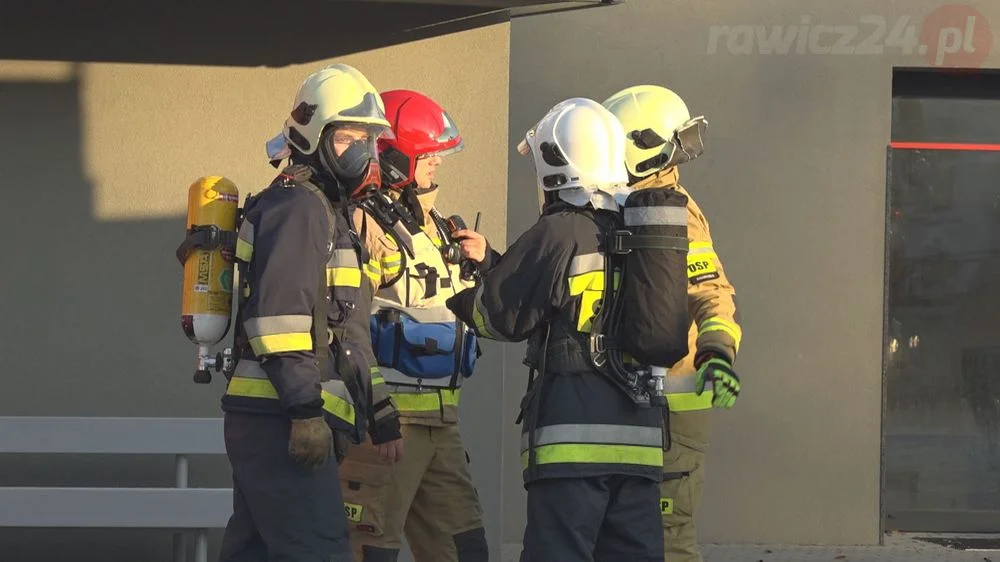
column 207, row 295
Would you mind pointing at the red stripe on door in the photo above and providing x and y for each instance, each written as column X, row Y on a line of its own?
column 945, row 146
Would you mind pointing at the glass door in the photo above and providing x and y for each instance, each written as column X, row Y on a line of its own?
column 942, row 419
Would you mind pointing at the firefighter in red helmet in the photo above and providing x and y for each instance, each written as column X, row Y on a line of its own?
column 417, row 261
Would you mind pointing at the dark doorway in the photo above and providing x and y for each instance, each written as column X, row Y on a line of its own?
column 942, row 329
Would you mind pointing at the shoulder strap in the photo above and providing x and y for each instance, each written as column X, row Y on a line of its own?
column 387, row 216
column 381, row 215
column 357, row 240
column 300, row 175
column 320, row 326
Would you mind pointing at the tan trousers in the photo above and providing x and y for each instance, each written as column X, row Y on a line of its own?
column 429, row 495
column 684, row 479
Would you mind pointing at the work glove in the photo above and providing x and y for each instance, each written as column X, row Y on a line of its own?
column 311, row 441
column 725, row 382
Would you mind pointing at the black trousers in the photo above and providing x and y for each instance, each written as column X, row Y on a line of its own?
column 282, row 510
column 596, row 519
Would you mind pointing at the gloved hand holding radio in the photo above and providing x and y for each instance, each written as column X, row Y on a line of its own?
column 311, row 441
column 725, row 382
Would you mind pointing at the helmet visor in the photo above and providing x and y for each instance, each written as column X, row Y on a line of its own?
column 447, row 142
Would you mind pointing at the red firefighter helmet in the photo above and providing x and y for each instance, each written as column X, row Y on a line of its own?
column 421, row 128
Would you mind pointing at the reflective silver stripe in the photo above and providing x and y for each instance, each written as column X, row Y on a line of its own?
column 343, row 258
column 412, row 388
column 433, row 314
column 680, row 384
column 246, row 232
column 701, row 250
column 283, row 324
column 394, row 377
column 249, row 369
column 595, row 433
column 586, row 263
column 338, row 389
column 668, row 216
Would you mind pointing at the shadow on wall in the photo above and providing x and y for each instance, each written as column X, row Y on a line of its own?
column 224, row 32
column 89, row 323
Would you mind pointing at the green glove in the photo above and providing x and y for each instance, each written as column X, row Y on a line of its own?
column 725, row 382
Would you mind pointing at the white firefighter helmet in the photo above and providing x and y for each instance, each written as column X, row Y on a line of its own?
column 336, row 93
column 579, row 152
column 659, row 130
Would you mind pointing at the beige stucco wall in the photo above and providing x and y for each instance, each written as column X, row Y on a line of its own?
column 793, row 182
column 96, row 162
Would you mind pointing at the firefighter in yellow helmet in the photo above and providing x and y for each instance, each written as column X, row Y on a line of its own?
column 661, row 135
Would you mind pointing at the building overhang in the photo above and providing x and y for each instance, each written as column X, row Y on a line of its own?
column 241, row 32
column 516, row 8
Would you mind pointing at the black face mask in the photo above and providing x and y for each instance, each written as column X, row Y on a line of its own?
column 356, row 170
column 353, row 163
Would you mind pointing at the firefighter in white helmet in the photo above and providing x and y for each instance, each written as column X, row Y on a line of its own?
column 660, row 136
column 591, row 451
column 297, row 394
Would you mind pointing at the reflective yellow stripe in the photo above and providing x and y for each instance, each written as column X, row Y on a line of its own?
column 376, row 376
column 593, row 280
column 417, row 402
column 480, row 322
column 281, row 343
column 451, row 397
column 426, row 401
column 596, row 454
column 680, row 392
column 716, row 324
column 392, row 262
column 262, row 388
column 374, row 271
column 343, row 277
column 281, row 333
column 590, row 288
column 689, row 401
column 338, row 407
column 479, row 319
column 243, row 250
column 244, row 242
column 251, row 388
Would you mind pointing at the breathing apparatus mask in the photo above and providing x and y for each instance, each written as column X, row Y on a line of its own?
column 349, row 153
